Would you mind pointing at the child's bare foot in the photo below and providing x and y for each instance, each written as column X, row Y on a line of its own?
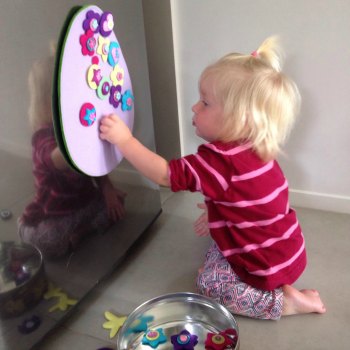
column 301, row 301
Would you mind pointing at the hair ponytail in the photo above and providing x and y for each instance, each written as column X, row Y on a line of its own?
column 270, row 52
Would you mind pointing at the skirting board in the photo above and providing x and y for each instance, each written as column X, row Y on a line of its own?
column 319, row 201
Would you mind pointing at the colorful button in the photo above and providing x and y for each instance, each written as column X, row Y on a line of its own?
column 218, row 339
column 87, row 114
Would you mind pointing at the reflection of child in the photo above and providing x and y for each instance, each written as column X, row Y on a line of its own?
column 67, row 205
column 245, row 111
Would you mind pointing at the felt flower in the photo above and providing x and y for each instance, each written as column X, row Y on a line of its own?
column 106, row 23
column 88, row 43
column 127, row 101
column 104, row 88
column 103, row 47
column 21, row 277
column 184, row 340
column 117, row 75
column 154, row 338
column 94, row 76
column 113, row 54
column 114, row 323
column 91, row 21
column 140, row 324
column 115, row 96
column 87, row 114
column 221, row 340
column 29, row 325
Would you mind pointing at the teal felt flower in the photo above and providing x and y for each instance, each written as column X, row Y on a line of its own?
column 127, row 101
column 113, row 53
column 154, row 338
column 140, row 324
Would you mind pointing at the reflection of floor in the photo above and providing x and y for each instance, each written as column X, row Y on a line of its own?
column 77, row 274
column 167, row 258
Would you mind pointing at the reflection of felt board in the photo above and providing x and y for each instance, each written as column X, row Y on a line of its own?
column 91, row 80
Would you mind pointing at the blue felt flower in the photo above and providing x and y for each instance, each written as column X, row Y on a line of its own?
column 154, row 338
column 113, row 53
column 127, row 101
column 140, row 324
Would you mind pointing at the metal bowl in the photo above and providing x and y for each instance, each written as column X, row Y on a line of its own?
column 174, row 313
column 22, row 278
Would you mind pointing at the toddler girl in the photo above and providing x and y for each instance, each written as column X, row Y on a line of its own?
column 67, row 205
column 245, row 111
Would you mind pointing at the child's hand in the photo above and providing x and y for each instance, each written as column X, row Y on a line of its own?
column 114, row 198
column 115, row 204
column 201, row 224
column 114, row 130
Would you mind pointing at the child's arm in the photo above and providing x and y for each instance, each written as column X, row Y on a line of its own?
column 150, row 164
column 114, row 198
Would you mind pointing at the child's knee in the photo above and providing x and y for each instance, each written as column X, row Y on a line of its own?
column 205, row 284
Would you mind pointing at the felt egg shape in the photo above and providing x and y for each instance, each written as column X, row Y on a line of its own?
column 88, row 55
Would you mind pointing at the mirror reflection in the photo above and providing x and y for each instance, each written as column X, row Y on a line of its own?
column 82, row 226
column 67, row 205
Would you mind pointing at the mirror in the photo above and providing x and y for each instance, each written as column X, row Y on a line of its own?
column 74, row 268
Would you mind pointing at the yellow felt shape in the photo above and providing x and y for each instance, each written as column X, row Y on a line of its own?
column 114, row 323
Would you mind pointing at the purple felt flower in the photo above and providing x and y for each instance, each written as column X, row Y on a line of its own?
column 106, row 24
column 115, row 95
column 184, row 340
column 91, row 22
column 29, row 325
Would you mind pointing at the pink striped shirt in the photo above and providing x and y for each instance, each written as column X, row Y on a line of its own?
column 248, row 211
column 58, row 192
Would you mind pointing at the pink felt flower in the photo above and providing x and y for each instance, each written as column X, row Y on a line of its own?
column 88, row 43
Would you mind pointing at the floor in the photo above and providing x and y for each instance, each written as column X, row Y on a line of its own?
column 153, row 268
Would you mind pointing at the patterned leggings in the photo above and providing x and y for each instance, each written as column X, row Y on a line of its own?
column 55, row 237
column 218, row 281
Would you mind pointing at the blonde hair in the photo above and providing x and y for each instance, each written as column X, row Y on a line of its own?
column 40, row 90
column 260, row 103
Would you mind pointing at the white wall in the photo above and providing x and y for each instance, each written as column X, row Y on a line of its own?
column 316, row 38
